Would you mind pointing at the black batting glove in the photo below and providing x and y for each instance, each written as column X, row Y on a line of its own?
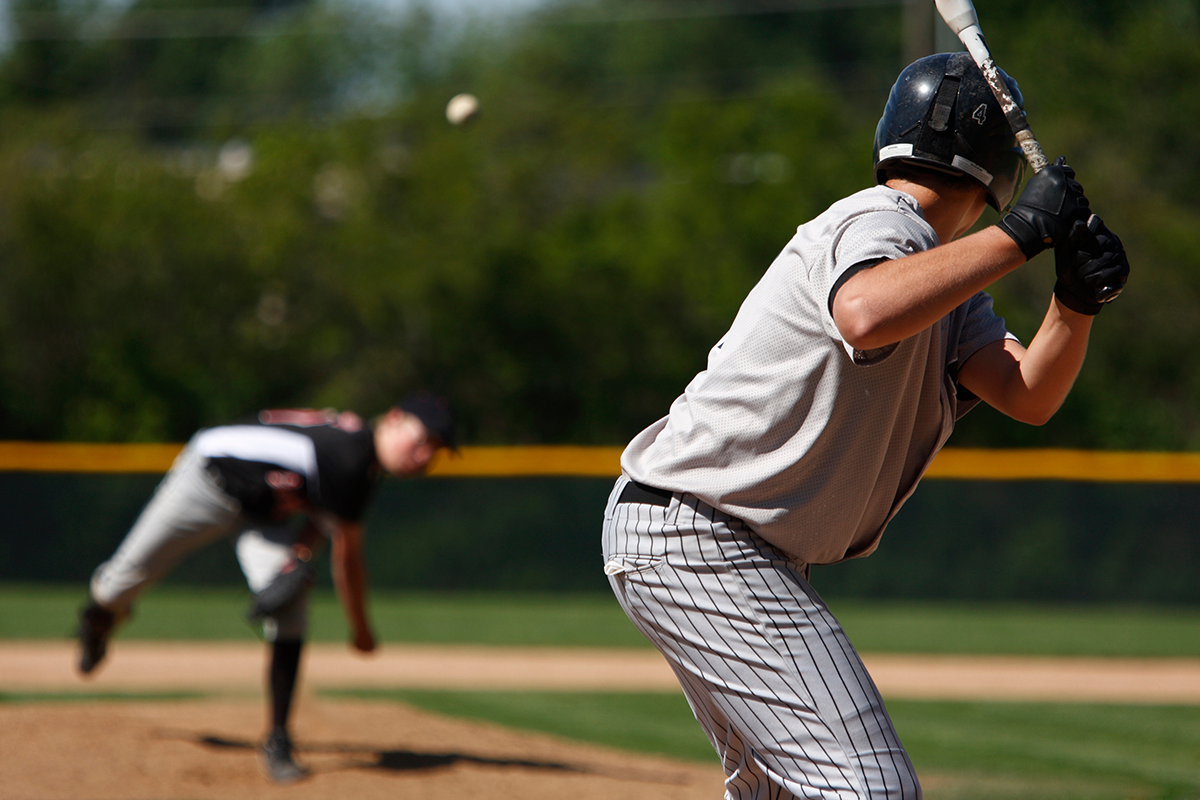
column 1091, row 265
column 1053, row 201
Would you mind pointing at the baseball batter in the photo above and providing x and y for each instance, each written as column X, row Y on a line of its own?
column 841, row 377
column 280, row 484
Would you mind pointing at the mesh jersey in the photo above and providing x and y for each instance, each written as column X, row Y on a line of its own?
column 816, row 445
column 334, row 466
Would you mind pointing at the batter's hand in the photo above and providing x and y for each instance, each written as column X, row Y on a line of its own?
column 1053, row 201
column 1092, row 267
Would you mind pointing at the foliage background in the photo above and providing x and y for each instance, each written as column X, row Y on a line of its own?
column 211, row 206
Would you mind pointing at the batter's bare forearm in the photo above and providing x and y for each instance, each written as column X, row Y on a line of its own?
column 1031, row 384
column 1054, row 359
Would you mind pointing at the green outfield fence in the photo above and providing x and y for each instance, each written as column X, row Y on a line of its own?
column 1037, row 525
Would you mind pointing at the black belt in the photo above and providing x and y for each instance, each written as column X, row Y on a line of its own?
column 635, row 492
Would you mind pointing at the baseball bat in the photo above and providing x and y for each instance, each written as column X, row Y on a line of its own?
column 961, row 18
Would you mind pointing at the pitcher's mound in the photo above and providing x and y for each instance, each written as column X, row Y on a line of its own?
column 141, row 750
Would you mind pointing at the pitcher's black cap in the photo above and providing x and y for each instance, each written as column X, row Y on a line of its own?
column 434, row 413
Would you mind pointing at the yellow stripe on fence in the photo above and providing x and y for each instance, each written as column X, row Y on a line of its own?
column 469, row 462
column 1104, row 466
column 500, row 462
column 80, row 457
column 604, row 462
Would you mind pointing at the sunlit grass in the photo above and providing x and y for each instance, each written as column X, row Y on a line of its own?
column 985, row 751
column 34, row 611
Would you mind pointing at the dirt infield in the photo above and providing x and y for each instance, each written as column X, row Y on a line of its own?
column 151, row 666
column 177, row 751
column 180, row 750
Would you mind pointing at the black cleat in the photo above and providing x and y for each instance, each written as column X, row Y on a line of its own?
column 95, row 625
column 275, row 758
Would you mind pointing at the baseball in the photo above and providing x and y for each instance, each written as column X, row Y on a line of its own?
column 462, row 108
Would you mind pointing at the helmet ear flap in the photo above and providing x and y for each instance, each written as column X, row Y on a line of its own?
column 1006, row 180
column 962, row 144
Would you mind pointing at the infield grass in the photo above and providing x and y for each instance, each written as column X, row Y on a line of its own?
column 963, row 751
column 35, row 611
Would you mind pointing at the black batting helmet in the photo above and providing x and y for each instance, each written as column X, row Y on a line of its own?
column 942, row 114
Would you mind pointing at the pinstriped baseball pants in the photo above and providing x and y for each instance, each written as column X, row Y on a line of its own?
column 769, row 673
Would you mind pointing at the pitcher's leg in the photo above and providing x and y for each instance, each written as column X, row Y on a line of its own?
column 188, row 511
column 263, row 551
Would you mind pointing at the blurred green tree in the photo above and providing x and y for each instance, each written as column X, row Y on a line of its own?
column 284, row 215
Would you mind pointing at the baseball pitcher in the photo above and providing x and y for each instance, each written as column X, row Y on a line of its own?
column 280, row 484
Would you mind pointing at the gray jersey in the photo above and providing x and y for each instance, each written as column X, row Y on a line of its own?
column 813, row 444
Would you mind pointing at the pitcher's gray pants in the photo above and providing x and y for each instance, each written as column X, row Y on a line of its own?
column 768, row 671
column 188, row 511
